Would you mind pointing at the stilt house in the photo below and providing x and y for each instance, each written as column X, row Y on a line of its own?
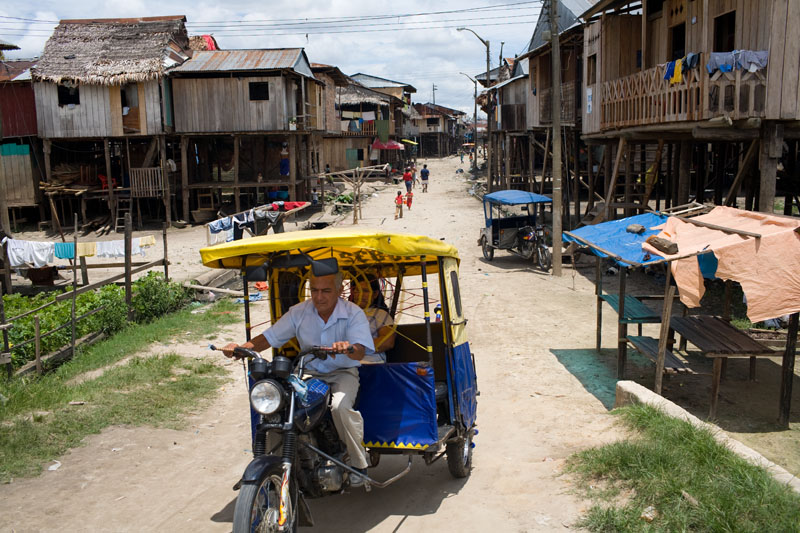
column 104, row 108
column 693, row 99
column 250, row 124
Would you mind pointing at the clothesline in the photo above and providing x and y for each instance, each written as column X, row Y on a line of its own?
column 234, row 225
column 41, row 254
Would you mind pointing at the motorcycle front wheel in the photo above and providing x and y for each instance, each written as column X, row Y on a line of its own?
column 544, row 258
column 257, row 507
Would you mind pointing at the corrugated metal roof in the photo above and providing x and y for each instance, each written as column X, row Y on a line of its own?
column 18, row 70
column 568, row 13
column 504, row 83
column 373, row 82
column 241, row 60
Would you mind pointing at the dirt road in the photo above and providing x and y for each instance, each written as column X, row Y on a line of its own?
column 526, row 330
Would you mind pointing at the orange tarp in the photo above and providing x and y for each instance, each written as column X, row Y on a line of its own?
column 768, row 268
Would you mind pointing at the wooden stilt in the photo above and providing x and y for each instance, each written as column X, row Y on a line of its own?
column 622, row 327
column 787, row 371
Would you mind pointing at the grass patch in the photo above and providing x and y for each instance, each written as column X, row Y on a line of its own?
column 693, row 482
column 37, row 423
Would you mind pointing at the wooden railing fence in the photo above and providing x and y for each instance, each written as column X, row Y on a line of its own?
column 130, row 268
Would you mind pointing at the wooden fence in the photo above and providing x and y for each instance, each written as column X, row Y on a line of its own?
column 130, row 268
column 147, row 183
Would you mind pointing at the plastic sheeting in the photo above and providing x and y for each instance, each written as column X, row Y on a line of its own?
column 514, row 197
column 398, row 403
column 466, row 384
column 613, row 237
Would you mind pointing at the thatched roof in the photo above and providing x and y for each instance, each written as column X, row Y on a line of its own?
column 203, row 43
column 356, row 94
column 113, row 51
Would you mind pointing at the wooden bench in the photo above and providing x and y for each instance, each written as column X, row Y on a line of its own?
column 648, row 346
column 635, row 311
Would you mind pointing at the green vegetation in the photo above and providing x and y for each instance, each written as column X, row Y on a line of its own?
column 38, row 422
column 692, row 482
column 153, row 296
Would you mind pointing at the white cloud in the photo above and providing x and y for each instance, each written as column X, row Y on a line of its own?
column 422, row 57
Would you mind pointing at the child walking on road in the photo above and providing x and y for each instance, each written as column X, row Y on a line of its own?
column 409, row 197
column 398, row 205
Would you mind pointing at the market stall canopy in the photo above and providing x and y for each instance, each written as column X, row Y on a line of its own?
column 389, row 145
column 611, row 239
column 759, row 251
column 385, row 253
column 514, row 197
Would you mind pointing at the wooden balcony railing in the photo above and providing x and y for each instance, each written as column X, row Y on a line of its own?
column 367, row 128
column 568, row 104
column 146, row 183
column 647, row 98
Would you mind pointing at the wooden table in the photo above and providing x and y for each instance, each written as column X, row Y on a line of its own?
column 717, row 339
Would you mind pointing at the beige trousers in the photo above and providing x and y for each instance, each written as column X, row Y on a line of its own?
column 349, row 423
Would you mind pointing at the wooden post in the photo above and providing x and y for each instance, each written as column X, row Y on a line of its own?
column 292, row 167
column 84, row 270
column 7, row 285
column 555, row 46
column 74, row 284
column 128, row 267
column 576, row 182
column 683, row 173
column 111, row 203
column 6, row 355
column 47, row 148
column 37, row 345
column 771, row 151
column 544, row 161
column 507, row 161
column 185, row 177
column 787, row 371
column 622, row 328
column 666, row 313
column 598, row 290
column 165, row 175
column 612, row 181
column 236, row 200
column 590, row 168
column 166, row 257
column 629, row 180
column 701, row 177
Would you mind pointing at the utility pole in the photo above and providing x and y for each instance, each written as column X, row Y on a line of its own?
column 556, row 99
column 434, row 93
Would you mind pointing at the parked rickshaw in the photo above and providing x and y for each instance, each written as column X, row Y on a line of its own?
column 420, row 403
column 511, row 224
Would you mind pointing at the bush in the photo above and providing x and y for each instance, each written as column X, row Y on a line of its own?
column 153, row 296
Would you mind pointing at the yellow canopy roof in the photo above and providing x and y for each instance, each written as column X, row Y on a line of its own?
column 352, row 247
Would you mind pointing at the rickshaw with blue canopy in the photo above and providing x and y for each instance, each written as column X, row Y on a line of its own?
column 512, row 223
column 421, row 402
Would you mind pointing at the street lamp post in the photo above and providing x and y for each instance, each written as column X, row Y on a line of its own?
column 474, row 123
column 488, row 112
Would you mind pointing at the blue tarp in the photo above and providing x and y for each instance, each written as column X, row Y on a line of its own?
column 613, row 237
column 513, row 197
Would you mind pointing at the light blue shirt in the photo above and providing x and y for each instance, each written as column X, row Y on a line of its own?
column 346, row 323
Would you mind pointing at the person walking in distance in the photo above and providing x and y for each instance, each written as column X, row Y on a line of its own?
column 424, row 174
column 408, row 179
column 398, row 205
column 409, row 198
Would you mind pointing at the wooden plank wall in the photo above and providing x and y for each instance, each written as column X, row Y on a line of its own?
column 591, row 45
column 621, row 39
column 115, row 108
column 531, row 100
column 91, row 118
column 16, row 179
column 334, row 150
column 152, row 114
column 213, row 105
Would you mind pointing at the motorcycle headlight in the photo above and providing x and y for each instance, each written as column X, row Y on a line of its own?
column 266, row 397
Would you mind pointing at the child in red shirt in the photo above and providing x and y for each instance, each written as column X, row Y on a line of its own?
column 398, row 205
column 409, row 197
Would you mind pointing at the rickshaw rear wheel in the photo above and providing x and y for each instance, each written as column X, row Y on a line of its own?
column 488, row 251
column 459, row 456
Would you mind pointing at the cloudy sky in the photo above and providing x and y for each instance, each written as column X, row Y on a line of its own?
column 414, row 41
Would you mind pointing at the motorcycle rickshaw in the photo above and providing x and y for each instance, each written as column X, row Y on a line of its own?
column 421, row 402
column 511, row 224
